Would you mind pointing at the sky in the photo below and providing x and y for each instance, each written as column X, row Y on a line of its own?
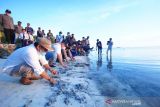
column 130, row 23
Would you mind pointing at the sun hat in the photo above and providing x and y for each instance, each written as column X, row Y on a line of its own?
column 44, row 42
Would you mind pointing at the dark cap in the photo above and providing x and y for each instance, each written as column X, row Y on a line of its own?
column 60, row 32
column 19, row 22
column 8, row 11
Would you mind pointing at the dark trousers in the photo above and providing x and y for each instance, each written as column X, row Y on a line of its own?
column 99, row 50
column 9, row 35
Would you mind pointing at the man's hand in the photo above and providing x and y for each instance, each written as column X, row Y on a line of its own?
column 64, row 65
column 54, row 72
column 52, row 81
column 45, row 75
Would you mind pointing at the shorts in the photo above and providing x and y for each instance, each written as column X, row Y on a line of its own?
column 22, row 70
column 57, row 48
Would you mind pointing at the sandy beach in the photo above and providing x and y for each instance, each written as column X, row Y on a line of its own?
column 91, row 81
column 73, row 89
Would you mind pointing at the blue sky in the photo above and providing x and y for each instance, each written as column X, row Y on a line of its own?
column 129, row 22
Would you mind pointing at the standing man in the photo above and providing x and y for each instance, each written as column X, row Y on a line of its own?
column 39, row 32
column 29, row 29
column 50, row 36
column 1, row 31
column 99, row 45
column 59, row 38
column 24, row 37
column 30, row 60
column 18, row 30
column 43, row 33
column 87, row 41
column 8, row 25
column 110, row 44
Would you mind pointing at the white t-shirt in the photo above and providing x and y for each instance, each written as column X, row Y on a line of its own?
column 87, row 42
column 57, row 48
column 110, row 43
column 31, row 37
column 26, row 55
column 59, row 38
column 24, row 36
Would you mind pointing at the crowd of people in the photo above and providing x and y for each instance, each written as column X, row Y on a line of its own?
column 36, row 54
column 14, row 34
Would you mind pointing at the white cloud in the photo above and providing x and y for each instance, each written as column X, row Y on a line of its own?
column 104, row 12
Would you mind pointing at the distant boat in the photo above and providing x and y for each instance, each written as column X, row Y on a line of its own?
column 118, row 47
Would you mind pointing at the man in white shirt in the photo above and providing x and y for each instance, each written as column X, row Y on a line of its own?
column 24, row 37
column 18, row 30
column 59, row 38
column 58, row 47
column 29, row 60
column 110, row 44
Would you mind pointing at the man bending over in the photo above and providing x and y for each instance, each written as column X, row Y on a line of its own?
column 30, row 60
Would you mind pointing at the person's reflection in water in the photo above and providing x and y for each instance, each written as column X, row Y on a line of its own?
column 109, row 63
column 99, row 61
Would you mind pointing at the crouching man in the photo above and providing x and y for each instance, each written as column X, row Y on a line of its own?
column 30, row 60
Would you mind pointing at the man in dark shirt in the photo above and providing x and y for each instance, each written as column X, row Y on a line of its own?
column 99, row 45
column 1, row 31
column 29, row 29
column 7, row 23
column 39, row 32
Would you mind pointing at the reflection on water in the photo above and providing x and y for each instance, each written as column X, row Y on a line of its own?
column 99, row 61
column 108, row 60
column 109, row 63
column 133, row 73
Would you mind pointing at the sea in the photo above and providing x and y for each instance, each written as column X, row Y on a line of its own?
column 127, row 76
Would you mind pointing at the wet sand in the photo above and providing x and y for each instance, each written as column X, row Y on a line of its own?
column 91, row 81
column 132, row 74
column 73, row 89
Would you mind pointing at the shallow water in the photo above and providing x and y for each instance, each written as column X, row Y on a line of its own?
column 131, row 73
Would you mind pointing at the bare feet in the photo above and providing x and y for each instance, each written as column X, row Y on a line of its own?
column 25, row 81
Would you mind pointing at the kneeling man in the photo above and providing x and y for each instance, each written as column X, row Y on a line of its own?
column 30, row 60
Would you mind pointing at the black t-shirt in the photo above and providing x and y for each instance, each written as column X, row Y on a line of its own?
column 99, row 44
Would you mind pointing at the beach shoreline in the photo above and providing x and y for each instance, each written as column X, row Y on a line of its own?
column 73, row 89
column 90, row 81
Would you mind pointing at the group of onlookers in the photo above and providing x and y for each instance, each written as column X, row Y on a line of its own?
column 36, row 54
column 14, row 34
column 65, row 46
column 7, row 27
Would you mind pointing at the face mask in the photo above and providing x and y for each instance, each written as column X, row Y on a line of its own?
column 42, row 53
column 9, row 14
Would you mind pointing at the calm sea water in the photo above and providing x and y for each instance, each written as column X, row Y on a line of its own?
column 130, row 73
